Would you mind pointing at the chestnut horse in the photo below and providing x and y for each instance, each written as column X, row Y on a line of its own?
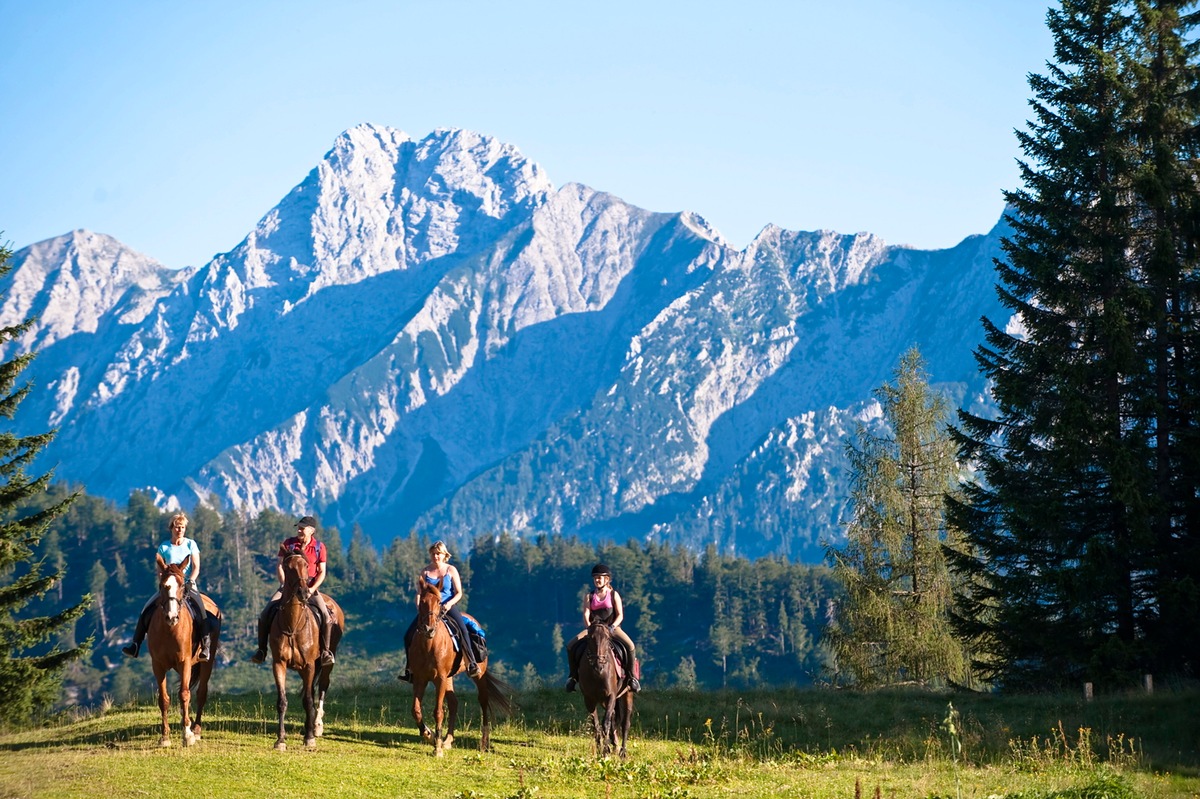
column 432, row 659
column 602, row 688
column 295, row 641
column 172, row 647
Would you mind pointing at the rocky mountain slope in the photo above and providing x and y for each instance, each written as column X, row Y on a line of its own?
column 427, row 333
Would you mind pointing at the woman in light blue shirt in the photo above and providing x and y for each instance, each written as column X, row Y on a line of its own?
column 183, row 551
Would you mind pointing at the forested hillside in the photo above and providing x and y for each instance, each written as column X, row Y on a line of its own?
column 706, row 619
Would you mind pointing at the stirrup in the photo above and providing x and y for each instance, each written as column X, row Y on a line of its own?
column 635, row 685
column 570, row 685
column 259, row 656
column 473, row 670
column 405, row 677
column 327, row 658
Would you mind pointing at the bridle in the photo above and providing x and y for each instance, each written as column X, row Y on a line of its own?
column 170, row 594
column 429, row 606
column 599, row 648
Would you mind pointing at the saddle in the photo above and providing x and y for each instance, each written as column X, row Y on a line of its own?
column 473, row 629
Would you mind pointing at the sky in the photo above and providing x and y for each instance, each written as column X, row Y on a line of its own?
column 175, row 127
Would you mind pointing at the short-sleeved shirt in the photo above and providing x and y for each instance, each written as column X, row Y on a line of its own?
column 314, row 553
column 178, row 553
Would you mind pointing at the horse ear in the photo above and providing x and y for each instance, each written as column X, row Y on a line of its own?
column 283, row 551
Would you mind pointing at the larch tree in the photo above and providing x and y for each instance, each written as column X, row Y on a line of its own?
column 893, row 623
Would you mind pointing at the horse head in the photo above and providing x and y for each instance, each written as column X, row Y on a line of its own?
column 171, row 588
column 599, row 643
column 295, row 577
column 429, row 607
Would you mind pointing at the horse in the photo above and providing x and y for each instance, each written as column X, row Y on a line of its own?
column 602, row 687
column 171, row 645
column 432, row 659
column 295, row 641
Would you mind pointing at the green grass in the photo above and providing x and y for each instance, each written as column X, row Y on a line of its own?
column 803, row 743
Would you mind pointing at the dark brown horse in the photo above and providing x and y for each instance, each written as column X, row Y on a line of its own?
column 609, row 703
column 173, row 647
column 432, row 659
column 295, row 641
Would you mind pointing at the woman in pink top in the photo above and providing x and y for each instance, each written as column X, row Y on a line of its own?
column 603, row 604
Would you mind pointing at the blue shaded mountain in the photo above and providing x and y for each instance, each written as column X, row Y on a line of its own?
column 428, row 334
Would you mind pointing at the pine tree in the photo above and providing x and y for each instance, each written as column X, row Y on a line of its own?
column 1078, row 500
column 29, row 679
column 894, row 622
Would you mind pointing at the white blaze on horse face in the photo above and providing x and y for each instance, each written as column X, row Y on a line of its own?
column 172, row 584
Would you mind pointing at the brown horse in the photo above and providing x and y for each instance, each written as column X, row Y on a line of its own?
column 602, row 687
column 432, row 659
column 172, row 647
column 296, row 644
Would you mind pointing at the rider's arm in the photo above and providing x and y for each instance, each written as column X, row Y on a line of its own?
column 320, row 578
column 195, row 575
column 587, row 613
column 618, row 609
column 456, row 585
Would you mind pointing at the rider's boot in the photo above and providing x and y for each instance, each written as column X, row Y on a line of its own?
column 264, row 625
column 205, row 643
column 634, row 670
column 139, row 634
column 326, row 636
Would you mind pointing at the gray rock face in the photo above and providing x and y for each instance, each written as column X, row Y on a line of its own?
column 428, row 334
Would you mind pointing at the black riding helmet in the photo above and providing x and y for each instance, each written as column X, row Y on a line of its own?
column 600, row 568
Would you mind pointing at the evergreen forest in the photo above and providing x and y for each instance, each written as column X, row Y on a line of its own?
column 699, row 620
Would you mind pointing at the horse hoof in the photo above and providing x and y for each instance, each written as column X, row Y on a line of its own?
column 320, row 729
column 188, row 740
column 310, row 743
column 280, row 746
column 448, row 743
column 164, row 742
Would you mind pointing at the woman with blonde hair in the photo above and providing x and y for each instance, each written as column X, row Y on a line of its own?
column 183, row 551
column 440, row 573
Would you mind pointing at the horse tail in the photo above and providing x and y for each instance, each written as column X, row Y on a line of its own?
column 499, row 692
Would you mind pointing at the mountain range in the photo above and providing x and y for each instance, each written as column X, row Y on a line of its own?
column 427, row 334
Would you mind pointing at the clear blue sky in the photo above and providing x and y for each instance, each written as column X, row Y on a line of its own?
column 174, row 126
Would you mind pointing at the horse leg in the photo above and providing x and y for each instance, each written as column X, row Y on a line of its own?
column 418, row 695
column 452, row 712
column 322, row 689
column 164, row 704
column 625, row 712
column 485, row 726
column 610, row 735
column 439, row 715
column 185, row 698
column 280, row 671
column 200, row 674
column 310, row 707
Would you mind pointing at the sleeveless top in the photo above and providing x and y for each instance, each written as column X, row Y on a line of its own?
column 602, row 608
column 447, row 585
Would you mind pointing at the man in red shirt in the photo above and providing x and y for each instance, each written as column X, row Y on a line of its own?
column 305, row 542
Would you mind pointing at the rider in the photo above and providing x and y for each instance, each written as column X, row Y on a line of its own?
column 183, row 551
column 306, row 544
column 439, row 568
column 603, row 604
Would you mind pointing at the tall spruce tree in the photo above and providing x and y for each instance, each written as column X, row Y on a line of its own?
column 893, row 623
column 1165, row 104
column 29, row 680
column 1064, row 568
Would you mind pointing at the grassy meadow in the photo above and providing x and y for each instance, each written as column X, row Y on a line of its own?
column 756, row 743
